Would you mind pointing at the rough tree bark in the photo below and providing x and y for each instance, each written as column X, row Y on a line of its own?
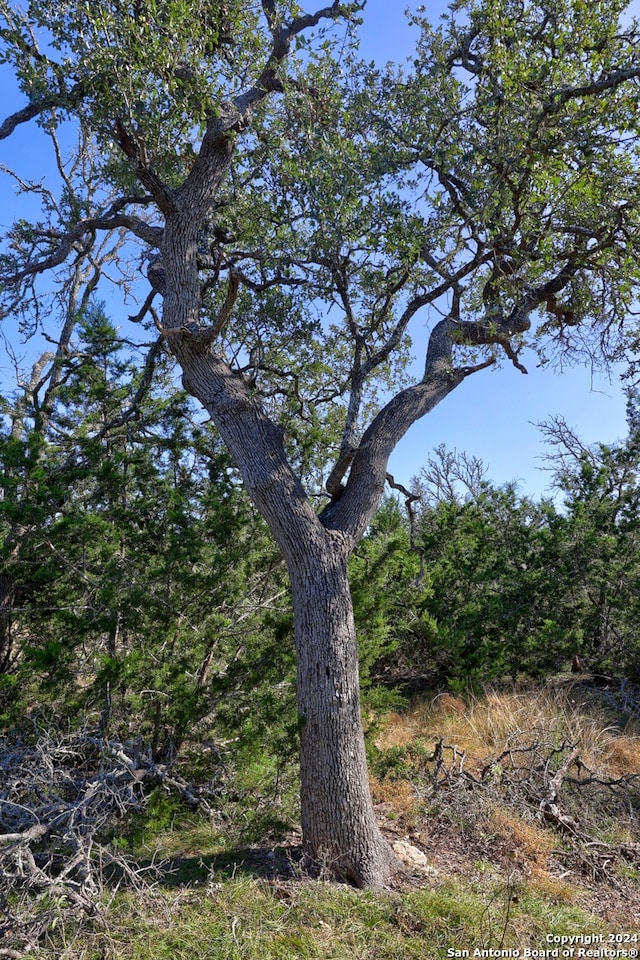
column 338, row 821
column 7, row 601
column 339, row 826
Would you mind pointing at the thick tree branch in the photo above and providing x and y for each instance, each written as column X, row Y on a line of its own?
column 65, row 100
column 268, row 81
column 606, row 82
column 333, row 484
column 76, row 239
column 362, row 371
column 139, row 228
column 355, row 503
column 202, row 183
column 255, row 442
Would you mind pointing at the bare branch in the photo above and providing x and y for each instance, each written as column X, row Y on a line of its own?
column 549, row 805
column 79, row 238
column 409, row 500
column 450, row 476
column 513, row 356
column 60, row 795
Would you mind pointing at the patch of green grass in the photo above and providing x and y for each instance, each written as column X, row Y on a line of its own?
column 244, row 918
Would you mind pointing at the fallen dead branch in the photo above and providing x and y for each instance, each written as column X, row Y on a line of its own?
column 549, row 807
column 543, row 781
column 61, row 800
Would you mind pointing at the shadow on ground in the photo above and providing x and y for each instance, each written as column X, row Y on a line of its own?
column 256, row 862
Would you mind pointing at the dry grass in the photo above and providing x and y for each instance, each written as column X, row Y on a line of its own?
column 481, row 772
column 623, row 755
column 552, row 888
column 499, row 875
column 398, row 796
column 531, row 845
column 485, row 726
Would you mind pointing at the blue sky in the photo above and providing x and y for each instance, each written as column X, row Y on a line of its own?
column 493, row 414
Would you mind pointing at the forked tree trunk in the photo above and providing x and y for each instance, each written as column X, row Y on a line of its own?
column 339, row 828
column 338, row 819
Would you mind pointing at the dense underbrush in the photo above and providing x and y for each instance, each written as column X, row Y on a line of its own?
column 516, row 812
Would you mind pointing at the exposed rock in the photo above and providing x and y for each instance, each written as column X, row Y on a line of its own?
column 412, row 857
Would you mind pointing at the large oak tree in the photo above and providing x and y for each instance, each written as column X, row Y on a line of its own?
column 299, row 218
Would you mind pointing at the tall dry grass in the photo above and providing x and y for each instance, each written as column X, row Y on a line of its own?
column 485, row 767
column 482, row 726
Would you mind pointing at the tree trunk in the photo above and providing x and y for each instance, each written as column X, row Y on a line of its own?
column 339, row 828
column 338, row 820
column 7, row 601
